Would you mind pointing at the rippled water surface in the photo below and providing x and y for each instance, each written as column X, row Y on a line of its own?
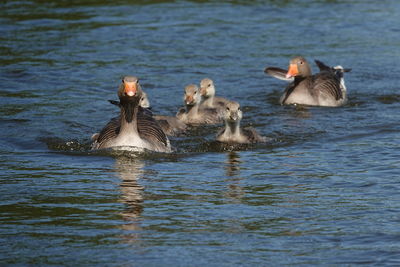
column 323, row 191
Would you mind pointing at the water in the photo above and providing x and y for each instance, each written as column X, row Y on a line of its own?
column 324, row 191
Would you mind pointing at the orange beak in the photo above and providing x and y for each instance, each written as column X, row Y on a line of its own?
column 293, row 71
column 130, row 88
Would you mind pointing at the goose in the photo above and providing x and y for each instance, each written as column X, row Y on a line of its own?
column 171, row 126
column 326, row 88
column 192, row 113
column 135, row 126
column 208, row 98
column 232, row 133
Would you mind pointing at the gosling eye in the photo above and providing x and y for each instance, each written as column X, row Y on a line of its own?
column 301, row 62
column 209, row 85
column 227, row 109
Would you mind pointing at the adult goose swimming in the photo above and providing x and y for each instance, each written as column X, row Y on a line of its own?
column 326, row 88
column 135, row 127
column 233, row 133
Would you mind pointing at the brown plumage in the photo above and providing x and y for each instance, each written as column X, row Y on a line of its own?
column 325, row 88
column 135, row 126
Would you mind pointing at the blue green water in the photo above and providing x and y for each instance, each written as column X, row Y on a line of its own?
column 324, row 191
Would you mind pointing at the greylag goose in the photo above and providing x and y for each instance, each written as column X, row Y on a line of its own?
column 135, row 126
column 171, row 126
column 325, row 88
column 208, row 98
column 232, row 132
column 192, row 113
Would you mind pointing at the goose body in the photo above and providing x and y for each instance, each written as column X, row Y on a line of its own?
column 233, row 133
column 326, row 88
column 135, row 127
column 192, row 113
column 170, row 125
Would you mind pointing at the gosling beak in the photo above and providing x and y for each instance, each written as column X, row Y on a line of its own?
column 293, row 71
column 189, row 100
column 130, row 88
column 233, row 116
column 203, row 91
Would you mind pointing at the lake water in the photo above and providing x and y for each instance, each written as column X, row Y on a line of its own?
column 323, row 191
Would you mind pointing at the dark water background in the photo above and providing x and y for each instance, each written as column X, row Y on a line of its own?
column 324, row 191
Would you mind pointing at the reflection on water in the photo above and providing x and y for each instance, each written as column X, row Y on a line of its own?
column 294, row 201
column 233, row 164
column 235, row 190
column 130, row 170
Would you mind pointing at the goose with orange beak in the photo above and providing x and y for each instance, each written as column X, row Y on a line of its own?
column 326, row 88
column 135, row 127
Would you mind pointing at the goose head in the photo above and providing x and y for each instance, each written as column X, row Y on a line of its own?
column 298, row 67
column 233, row 113
column 144, row 101
column 130, row 94
column 192, row 95
column 207, row 88
column 129, row 87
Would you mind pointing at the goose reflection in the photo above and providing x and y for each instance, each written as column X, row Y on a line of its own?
column 235, row 191
column 130, row 171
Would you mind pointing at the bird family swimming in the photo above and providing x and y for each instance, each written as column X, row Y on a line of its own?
column 136, row 125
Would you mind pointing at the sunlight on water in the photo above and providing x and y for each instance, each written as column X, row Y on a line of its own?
column 322, row 191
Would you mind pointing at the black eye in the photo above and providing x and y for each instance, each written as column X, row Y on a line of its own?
column 209, row 85
column 123, row 81
column 227, row 109
column 239, row 109
column 301, row 62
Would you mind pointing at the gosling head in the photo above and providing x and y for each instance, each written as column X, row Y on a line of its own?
column 144, row 101
column 207, row 88
column 233, row 113
column 192, row 95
